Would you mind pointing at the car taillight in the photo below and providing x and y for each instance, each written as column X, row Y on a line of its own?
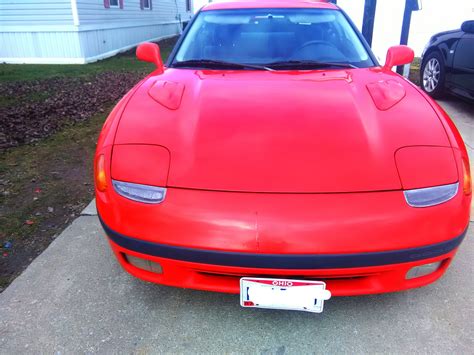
column 467, row 181
column 100, row 174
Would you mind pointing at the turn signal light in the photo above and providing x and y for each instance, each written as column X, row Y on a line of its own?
column 467, row 181
column 100, row 175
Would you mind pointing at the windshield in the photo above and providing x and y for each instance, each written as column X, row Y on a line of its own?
column 269, row 37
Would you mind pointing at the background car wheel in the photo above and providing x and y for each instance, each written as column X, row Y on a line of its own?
column 432, row 75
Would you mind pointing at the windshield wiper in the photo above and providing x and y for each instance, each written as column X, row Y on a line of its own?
column 210, row 63
column 307, row 64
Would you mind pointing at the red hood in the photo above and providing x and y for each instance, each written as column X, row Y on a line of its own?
column 314, row 131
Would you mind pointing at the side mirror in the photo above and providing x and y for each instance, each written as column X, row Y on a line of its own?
column 398, row 55
column 150, row 52
column 467, row 26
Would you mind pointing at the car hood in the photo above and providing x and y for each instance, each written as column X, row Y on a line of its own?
column 283, row 131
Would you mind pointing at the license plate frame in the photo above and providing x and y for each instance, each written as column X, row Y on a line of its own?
column 283, row 294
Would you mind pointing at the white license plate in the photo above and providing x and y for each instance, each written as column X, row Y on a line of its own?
column 295, row 295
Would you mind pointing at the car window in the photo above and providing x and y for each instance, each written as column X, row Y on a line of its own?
column 261, row 36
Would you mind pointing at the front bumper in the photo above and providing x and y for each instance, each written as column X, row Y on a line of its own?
column 344, row 274
column 358, row 243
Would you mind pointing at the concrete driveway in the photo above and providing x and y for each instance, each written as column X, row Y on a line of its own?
column 75, row 298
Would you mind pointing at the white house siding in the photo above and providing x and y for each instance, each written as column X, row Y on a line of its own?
column 102, row 43
column 105, row 31
column 42, row 47
column 35, row 12
column 94, row 12
column 81, row 31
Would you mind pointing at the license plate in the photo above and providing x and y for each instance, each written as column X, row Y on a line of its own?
column 295, row 295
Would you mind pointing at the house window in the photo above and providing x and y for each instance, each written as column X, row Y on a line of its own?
column 188, row 5
column 145, row 4
column 114, row 3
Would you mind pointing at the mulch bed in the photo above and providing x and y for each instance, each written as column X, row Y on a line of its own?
column 39, row 108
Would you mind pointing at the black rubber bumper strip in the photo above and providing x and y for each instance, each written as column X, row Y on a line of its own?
column 283, row 261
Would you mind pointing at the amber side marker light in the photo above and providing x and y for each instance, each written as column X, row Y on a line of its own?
column 100, row 176
column 467, row 181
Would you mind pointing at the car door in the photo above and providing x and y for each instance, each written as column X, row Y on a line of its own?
column 463, row 66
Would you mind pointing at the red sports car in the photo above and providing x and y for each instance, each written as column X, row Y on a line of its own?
column 272, row 156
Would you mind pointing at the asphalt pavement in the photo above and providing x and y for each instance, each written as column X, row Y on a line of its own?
column 75, row 298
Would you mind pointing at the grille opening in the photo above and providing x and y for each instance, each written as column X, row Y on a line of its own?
column 293, row 277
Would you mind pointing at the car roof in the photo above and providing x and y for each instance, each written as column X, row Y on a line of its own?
column 255, row 4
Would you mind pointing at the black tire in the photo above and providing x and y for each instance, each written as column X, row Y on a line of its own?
column 432, row 82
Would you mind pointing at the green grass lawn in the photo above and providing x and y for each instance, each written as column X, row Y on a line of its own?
column 19, row 72
column 122, row 62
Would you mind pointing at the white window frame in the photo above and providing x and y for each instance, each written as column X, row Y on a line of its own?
column 146, row 8
column 114, row 6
